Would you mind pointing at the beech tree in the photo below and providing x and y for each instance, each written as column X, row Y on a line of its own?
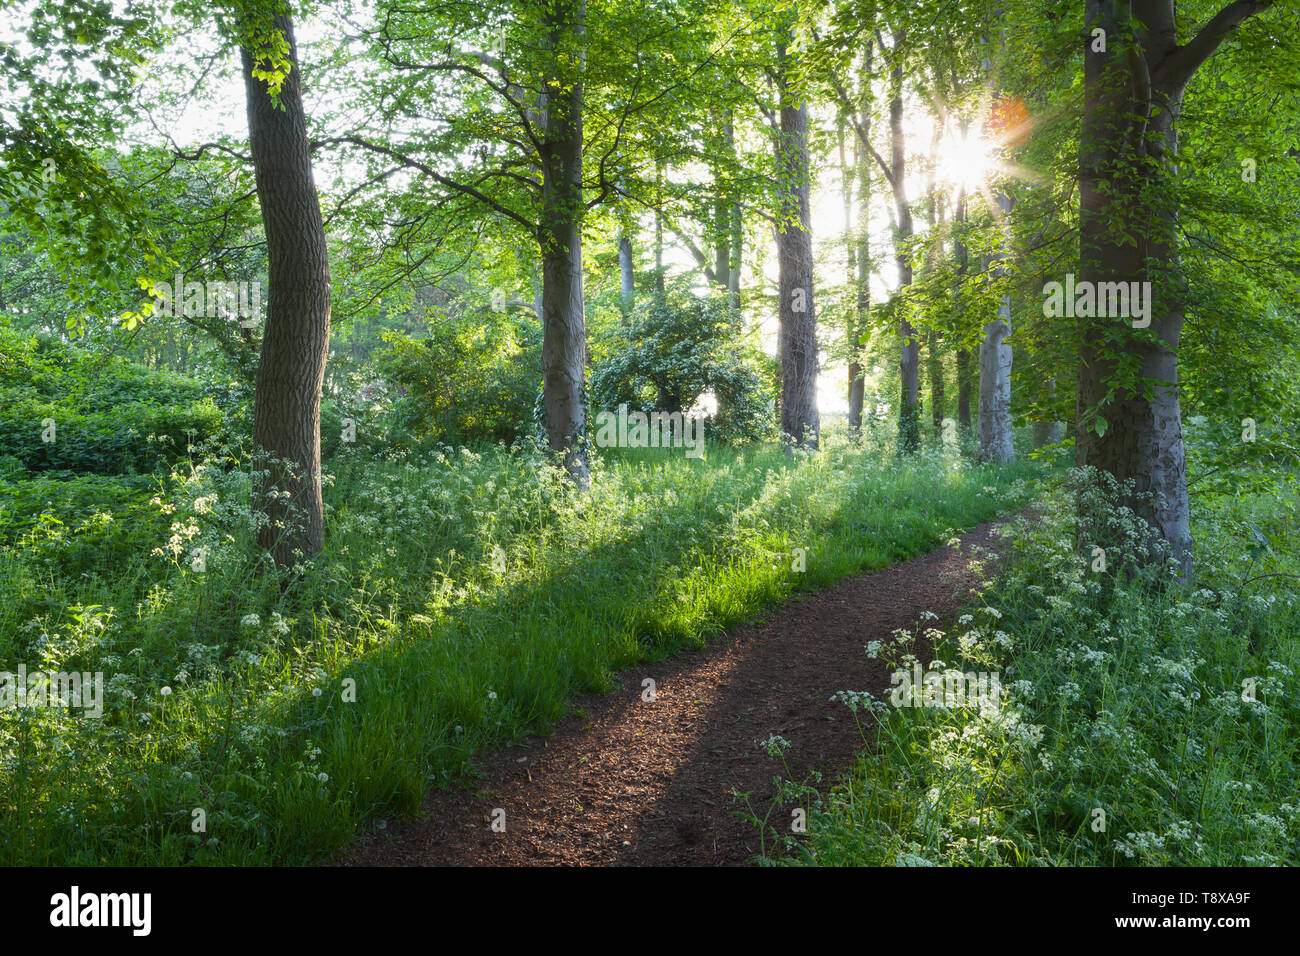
column 1129, row 415
column 528, row 115
column 796, row 313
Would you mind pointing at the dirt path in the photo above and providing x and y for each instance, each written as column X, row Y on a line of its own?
column 627, row 782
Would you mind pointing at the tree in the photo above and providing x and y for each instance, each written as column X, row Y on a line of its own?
column 564, row 323
column 295, row 344
column 796, row 313
column 1129, row 417
column 995, row 353
column 524, row 116
column 995, row 367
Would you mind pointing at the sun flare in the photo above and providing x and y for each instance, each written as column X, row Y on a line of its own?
column 967, row 162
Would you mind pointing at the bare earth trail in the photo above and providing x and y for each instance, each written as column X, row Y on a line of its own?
column 630, row 782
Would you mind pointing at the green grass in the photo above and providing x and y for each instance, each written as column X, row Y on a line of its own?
column 466, row 594
column 1142, row 722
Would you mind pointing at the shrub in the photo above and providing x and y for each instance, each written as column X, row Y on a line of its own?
column 109, row 416
column 676, row 348
column 466, row 382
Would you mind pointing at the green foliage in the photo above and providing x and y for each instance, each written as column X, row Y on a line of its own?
column 63, row 409
column 468, row 596
column 466, row 381
column 1141, row 722
column 674, row 349
column 909, row 427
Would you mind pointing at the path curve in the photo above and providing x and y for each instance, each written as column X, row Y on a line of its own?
column 626, row 782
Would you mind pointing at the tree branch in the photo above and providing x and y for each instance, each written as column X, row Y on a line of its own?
column 1176, row 69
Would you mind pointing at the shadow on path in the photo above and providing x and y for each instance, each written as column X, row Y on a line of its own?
column 630, row 782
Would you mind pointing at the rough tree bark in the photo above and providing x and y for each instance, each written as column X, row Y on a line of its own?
column 295, row 343
column 797, row 318
column 1133, row 93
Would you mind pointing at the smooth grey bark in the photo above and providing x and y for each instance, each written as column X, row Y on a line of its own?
column 627, row 276
column 564, row 328
column 995, row 392
column 909, row 364
column 1046, row 433
column 295, row 343
column 1133, row 93
column 995, row 356
column 995, row 369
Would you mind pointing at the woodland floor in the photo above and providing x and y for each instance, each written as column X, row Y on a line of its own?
column 625, row 782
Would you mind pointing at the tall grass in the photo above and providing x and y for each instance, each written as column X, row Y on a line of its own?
column 462, row 599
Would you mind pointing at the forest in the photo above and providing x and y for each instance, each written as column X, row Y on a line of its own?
column 649, row 433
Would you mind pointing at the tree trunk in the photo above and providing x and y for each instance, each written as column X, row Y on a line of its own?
column 736, row 223
column 1133, row 92
column 862, row 323
column 659, row 229
column 737, row 252
column 995, row 391
column 962, row 254
column 295, row 342
column 909, row 412
column 564, row 324
column 722, row 243
column 1047, row 433
column 995, row 371
column 720, row 232
column 627, row 286
column 852, row 281
column 797, row 318
column 963, row 390
column 934, row 371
